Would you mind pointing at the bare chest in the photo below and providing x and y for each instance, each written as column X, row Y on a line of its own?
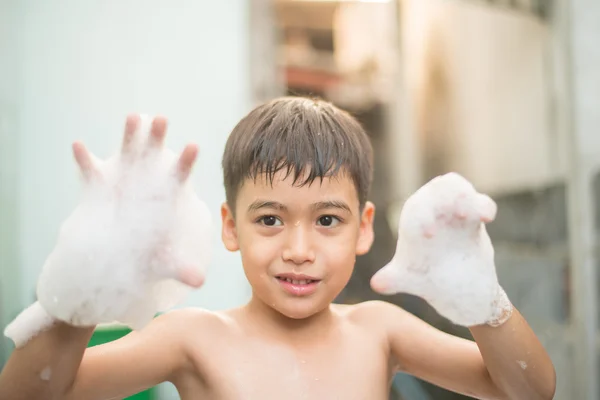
column 349, row 370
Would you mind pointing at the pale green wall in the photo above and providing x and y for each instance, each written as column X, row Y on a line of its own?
column 72, row 70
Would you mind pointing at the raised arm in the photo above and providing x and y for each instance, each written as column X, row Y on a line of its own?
column 46, row 366
column 148, row 239
column 57, row 365
column 133, row 363
column 516, row 360
column 445, row 256
column 506, row 362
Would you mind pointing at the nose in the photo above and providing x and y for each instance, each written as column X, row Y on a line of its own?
column 298, row 247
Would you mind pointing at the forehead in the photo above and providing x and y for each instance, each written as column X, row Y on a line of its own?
column 284, row 190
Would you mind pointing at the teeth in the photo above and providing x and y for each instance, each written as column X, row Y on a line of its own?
column 298, row 282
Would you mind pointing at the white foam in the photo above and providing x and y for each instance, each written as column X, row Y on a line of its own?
column 445, row 255
column 46, row 374
column 119, row 256
column 28, row 324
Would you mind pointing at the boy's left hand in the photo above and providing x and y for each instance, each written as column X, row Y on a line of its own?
column 444, row 254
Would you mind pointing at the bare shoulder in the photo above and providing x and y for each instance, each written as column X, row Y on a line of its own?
column 375, row 313
column 378, row 322
column 197, row 332
column 190, row 316
column 376, row 318
column 192, row 322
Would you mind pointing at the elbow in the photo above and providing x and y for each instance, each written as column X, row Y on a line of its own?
column 545, row 390
column 546, row 394
column 550, row 389
column 547, row 386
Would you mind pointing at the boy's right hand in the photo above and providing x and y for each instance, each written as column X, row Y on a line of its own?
column 137, row 242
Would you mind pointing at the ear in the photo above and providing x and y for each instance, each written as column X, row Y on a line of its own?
column 228, row 230
column 366, row 234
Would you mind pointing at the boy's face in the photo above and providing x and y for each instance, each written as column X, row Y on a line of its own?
column 298, row 244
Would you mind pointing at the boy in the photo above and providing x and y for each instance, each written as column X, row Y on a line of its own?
column 297, row 174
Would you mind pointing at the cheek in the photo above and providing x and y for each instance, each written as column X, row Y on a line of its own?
column 339, row 254
column 257, row 252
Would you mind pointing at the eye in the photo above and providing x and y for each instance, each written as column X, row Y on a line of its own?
column 328, row 221
column 270, row 220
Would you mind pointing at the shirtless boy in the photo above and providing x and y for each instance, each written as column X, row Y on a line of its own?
column 297, row 174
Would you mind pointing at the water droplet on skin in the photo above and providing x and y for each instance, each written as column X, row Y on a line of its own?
column 45, row 374
column 297, row 223
column 523, row 364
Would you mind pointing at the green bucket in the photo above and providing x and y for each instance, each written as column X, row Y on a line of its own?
column 108, row 333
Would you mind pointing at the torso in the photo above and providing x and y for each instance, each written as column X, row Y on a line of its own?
column 350, row 361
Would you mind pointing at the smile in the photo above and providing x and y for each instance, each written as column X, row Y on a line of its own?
column 298, row 285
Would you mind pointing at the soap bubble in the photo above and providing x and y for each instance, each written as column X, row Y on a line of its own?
column 136, row 244
column 444, row 254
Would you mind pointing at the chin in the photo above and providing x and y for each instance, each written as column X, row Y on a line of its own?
column 301, row 308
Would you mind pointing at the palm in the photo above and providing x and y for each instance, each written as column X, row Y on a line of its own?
column 138, row 239
column 444, row 253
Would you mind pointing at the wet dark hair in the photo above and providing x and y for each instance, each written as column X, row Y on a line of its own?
column 307, row 138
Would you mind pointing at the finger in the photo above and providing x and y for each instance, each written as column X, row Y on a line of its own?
column 460, row 207
column 190, row 277
column 387, row 280
column 429, row 230
column 487, row 208
column 186, row 161
column 172, row 268
column 131, row 125
column 157, row 132
column 85, row 161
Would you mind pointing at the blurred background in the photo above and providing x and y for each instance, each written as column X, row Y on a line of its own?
column 505, row 92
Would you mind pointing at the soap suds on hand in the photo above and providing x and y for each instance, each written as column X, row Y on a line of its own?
column 29, row 323
column 136, row 238
column 444, row 254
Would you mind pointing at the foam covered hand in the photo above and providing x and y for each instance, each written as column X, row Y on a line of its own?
column 444, row 254
column 136, row 244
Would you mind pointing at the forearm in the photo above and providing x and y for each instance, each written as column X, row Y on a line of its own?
column 516, row 360
column 46, row 366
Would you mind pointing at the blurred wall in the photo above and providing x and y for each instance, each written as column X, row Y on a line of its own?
column 72, row 71
column 480, row 80
column 9, row 70
column 497, row 95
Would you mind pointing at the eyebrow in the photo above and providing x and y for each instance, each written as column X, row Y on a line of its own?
column 260, row 204
column 321, row 205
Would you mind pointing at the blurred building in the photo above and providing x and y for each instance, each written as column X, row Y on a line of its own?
column 499, row 91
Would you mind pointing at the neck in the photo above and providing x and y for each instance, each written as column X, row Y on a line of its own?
column 272, row 320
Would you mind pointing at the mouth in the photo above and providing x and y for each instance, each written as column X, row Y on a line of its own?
column 298, row 285
column 297, row 281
